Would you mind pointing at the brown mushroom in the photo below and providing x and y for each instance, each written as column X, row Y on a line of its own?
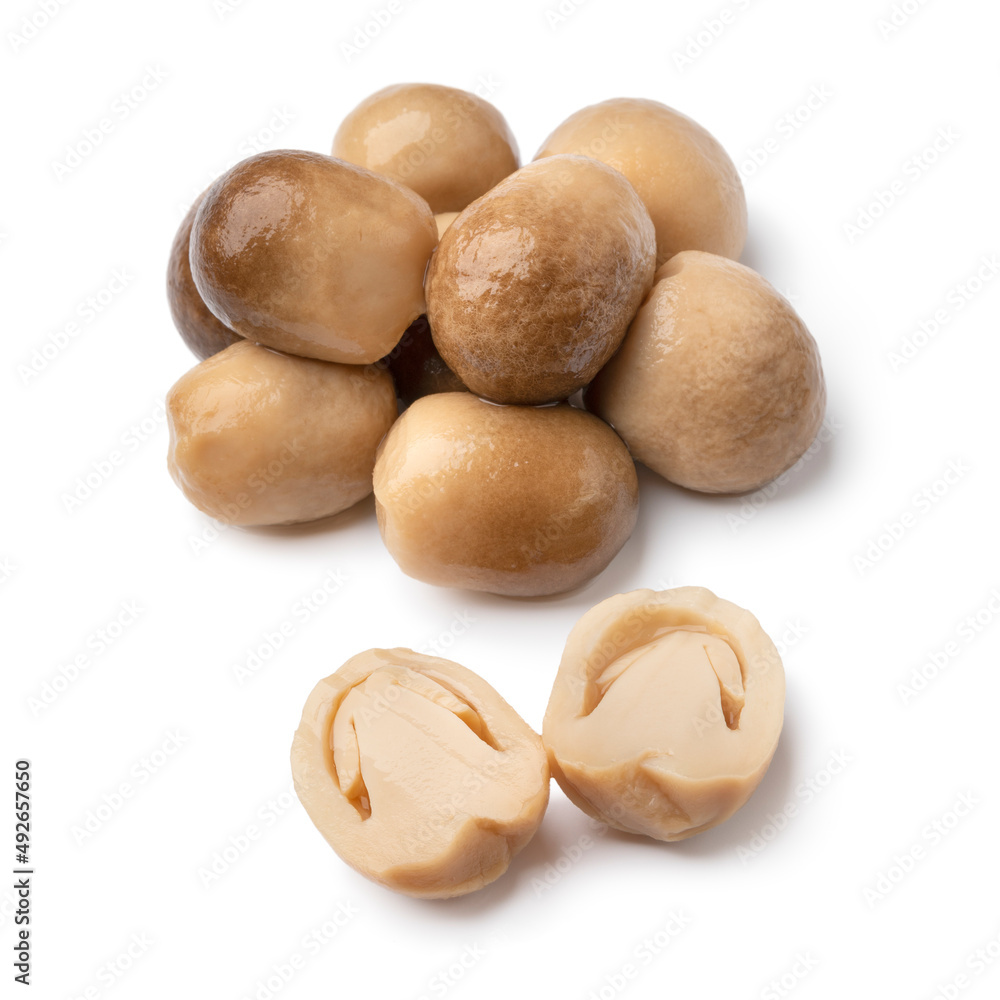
column 203, row 332
column 448, row 145
column 718, row 386
column 532, row 287
column 312, row 256
column 416, row 366
column 514, row 500
column 681, row 172
column 258, row 437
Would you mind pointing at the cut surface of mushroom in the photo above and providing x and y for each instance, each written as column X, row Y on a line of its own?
column 418, row 773
column 665, row 712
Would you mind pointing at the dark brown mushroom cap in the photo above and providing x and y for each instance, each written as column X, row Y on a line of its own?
column 203, row 332
column 532, row 287
column 313, row 256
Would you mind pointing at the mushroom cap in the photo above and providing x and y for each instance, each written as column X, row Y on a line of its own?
column 686, row 179
column 312, row 256
column 532, row 287
column 203, row 332
column 718, row 385
column 514, row 500
column 448, row 145
column 258, row 437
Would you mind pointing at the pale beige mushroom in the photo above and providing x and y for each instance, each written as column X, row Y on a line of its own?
column 448, row 145
column 513, row 500
column 443, row 220
column 532, row 287
column 665, row 712
column 718, row 386
column 417, row 773
column 313, row 256
column 259, row 437
column 687, row 180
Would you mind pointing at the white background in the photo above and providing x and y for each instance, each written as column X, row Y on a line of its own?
column 911, row 453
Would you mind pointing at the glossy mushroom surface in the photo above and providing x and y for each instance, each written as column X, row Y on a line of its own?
column 203, row 332
column 312, row 256
column 448, row 145
column 532, row 287
column 258, row 437
column 514, row 500
column 683, row 175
